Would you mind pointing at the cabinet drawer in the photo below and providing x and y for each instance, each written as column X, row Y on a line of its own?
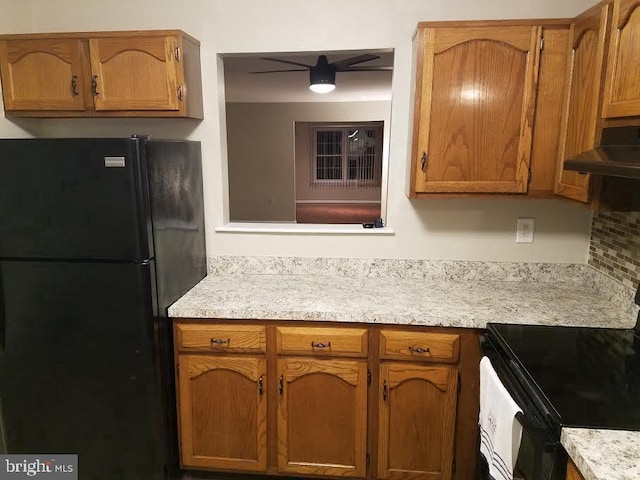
column 441, row 347
column 322, row 341
column 220, row 338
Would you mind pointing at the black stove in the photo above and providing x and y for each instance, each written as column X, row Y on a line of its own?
column 579, row 377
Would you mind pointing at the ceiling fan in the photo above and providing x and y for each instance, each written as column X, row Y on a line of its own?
column 322, row 75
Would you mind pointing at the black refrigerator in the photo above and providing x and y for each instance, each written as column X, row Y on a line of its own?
column 97, row 238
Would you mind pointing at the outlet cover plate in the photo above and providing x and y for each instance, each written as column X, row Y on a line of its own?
column 525, row 230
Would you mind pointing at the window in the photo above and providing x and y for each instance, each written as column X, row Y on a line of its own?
column 273, row 168
column 347, row 155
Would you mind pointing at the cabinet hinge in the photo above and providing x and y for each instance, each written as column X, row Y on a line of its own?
column 541, row 43
column 529, row 177
column 368, row 460
column 453, row 467
column 368, row 377
column 459, row 383
column 177, row 54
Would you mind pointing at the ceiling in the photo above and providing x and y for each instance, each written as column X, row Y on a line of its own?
column 244, row 87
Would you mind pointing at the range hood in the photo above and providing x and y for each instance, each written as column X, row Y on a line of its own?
column 618, row 154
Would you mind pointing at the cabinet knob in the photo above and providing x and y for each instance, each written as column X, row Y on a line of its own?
column 94, row 85
column 423, row 161
column 74, row 86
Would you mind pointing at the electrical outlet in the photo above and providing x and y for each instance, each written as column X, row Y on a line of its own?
column 525, row 229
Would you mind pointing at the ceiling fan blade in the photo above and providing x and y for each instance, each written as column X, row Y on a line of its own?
column 366, row 69
column 271, row 59
column 353, row 60
column 279, row 71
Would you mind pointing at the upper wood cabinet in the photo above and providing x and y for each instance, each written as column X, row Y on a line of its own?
column 474, row 108
column 151, row 74
column 42, row 74
column 622, row 85
column 581, row 113
column 155, row 82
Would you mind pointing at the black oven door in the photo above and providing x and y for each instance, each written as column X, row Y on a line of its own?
column 541, row 456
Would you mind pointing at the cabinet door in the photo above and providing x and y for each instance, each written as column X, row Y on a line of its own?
column 477, row 98
column 42, row 74
column 223, row 412
column 136, row 73
column 579, row 124
column 417, row 421
column 622, row 84
column 322, row 417
column 572, row 471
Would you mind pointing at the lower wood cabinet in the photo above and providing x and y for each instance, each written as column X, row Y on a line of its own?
column 369, row 402
column 322, row 417
column 417, row 421
column 223, row 412
column 572, row 471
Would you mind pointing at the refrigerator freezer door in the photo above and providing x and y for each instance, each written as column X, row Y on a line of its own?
column 74, row 199
column 175, row 186
column 77, row 367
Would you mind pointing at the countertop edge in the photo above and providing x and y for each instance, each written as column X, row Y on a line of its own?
column 603, row 454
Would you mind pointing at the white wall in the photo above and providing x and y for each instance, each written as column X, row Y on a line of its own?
column 262, row 153
column 477, row 229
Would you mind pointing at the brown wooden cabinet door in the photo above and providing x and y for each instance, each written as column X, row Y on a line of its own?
column 579, row 126
column 622, row 84
column 223, row 412
column 136, row 73
column 322, row 416
column 417, row 421
column 476, row 108
column 572, row 471
column 42, row 74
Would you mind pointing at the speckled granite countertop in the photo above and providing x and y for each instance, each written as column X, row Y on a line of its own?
column 430, row 302
column 604, row 454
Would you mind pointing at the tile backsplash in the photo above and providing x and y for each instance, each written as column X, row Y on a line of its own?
column 615, row 246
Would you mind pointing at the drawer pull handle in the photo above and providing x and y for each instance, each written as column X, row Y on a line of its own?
column 418, row 349
column 260, row 385
column 220, row 341
column 281, row 384
column 384, row 390
column 320, row 345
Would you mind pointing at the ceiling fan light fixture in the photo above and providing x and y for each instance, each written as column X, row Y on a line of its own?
column 322, row 78
column 322, row 87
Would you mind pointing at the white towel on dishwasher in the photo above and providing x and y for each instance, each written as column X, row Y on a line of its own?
column 500, row 432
